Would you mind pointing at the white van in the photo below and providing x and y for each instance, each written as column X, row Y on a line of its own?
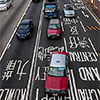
column 5, row 4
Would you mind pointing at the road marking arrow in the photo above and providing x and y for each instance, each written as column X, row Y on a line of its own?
column 85, row 14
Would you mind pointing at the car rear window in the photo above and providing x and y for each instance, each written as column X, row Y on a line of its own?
column 23, row 26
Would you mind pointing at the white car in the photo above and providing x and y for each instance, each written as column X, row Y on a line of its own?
column 68, row 10
column 5, row 4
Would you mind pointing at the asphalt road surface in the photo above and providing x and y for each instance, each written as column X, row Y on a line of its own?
column 23, row 62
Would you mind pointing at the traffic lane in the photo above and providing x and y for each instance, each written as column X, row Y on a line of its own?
column 21, row 48
column 45, row 41
column 10, row 22
column 34, row 11
column 73, row 45
column 46, row 46
column 83, row 60
column 37, row 91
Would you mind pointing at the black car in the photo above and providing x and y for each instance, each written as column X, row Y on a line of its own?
column 24, row 29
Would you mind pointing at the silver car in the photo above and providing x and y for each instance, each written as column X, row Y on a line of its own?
column 5, row 4
column 68, row 10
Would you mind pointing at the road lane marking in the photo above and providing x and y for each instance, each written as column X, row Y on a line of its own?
column 85, row 14
column 65, row 45
column 37, row 93
column 74, row 85
column 6, row 47
column 62, row 26
column 93, row 47
column 71, row 89
column 7, row 13
column 83, row 26
column 97, row 27
column 92, row 28
column 89, row 27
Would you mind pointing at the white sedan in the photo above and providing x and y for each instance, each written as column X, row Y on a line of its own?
column 68, row 10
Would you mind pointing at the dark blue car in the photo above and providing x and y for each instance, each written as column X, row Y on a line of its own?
column 24, row 29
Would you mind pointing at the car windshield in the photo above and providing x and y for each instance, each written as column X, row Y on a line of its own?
column 50, row 9
column 23, row 27
column 54, row 26
column 2, row 2
column 68, row 8
column 56, row 71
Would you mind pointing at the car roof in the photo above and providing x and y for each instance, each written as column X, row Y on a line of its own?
column 58, row 60
column 26, row 21
column 54, row 21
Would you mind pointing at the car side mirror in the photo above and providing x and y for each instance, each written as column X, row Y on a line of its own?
column 47, row 69
column 68, row 73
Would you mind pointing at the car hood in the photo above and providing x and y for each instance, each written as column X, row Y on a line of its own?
column 23, row 31
column 69, row 11
column 53, row 31
column 56, row 83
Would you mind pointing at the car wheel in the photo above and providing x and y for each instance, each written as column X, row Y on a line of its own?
column 47, row 37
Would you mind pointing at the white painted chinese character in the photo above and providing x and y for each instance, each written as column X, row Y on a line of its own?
column 69, row 21
column 11, row 65
column 75, row 42
column 7, row 75
column 73, row 30
column 83, row 43
column 21, row 68
column 45, row 52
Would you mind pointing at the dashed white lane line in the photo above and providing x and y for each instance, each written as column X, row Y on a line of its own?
column 83, row 26
column 62, row 26
column 65, row 45
column 7, row 14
